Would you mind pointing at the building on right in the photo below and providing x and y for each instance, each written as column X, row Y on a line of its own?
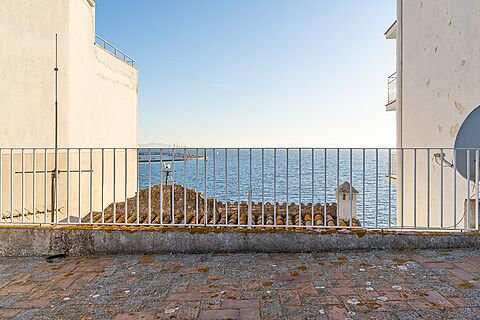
column 433, row 90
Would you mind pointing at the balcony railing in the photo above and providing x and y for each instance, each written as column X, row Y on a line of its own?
column 242, row 188
column 99, row 41
column 392, row 88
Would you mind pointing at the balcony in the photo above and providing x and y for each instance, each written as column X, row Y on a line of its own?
column 102, row 43
column 392, row 92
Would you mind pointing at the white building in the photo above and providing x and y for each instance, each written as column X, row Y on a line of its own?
column 97, row 94
column 436, row 87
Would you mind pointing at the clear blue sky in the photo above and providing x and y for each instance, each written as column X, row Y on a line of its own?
column 258, row 72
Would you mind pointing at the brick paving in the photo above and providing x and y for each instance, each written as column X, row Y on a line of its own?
column 349, row 285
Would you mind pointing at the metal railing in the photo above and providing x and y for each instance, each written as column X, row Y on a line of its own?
column 315, row 188
column 99, row 41
column 392, row 88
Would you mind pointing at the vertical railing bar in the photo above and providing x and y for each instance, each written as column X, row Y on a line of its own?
column 454, row 189
column 23, row 186
column 114, row 185
column 34, row 181
column 196, row 187
column 103, row 186
column 415, row 188
column 363, row 187
column 286, row 210
column 214, row 187
column 477, row 158
column 161, row 185
column 389, row 188
column 11, row 185
column 263, row 186
column 125, row 191
column 299, row 186
column 441, row 189
column 312, row 214
column 45, row 187
column 79, row 185
column 238, row 186
column 172, row 200
column 91, row 186
column 56, row 185
column 351, row 186
column 275, row 186
column 184, row 185
column 468, row 189
column 149, row 213
column 1, row 186
column 68, row 185
column 226, row 186
column 325, row 188
column 137, row 168
column 376, row 188
column 428, row 188
column 338, row 185
column 250, row 191
column 205, row 215
column 402, row 187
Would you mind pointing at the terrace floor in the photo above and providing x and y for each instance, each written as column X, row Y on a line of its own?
column 356, row 285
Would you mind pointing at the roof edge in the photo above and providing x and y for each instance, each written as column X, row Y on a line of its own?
column 91, row 3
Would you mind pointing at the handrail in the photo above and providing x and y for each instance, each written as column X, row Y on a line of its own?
column 102, row 43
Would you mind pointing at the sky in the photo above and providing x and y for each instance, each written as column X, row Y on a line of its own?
column 250, row 73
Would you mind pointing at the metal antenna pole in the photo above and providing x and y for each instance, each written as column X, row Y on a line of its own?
column 55, row 169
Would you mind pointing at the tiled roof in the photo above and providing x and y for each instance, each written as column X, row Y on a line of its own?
column 217, row 212
column 345, row 188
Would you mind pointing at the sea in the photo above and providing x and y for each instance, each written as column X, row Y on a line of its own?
column 280, row 175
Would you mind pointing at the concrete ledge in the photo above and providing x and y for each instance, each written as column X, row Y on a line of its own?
column 85, row 240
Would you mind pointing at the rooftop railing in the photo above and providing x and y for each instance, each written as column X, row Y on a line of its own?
column 99, row 41
column 317, row 188
column 392, row 88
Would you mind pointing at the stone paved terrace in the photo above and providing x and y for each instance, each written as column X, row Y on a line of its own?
column 356, row 285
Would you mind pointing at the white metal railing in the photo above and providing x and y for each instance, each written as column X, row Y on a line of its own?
column 242, row 187
column 99, row 41
column 392, row 88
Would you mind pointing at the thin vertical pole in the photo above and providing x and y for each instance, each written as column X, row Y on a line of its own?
column 172, row 198
column 1, row 186
column 34, row 169
column 226, row 186
column 161, row 186
column 11, row 185
column 79, row 184
column 275, row 186
column 138, row 186
column 402, row 187
column 441, row 189
column 299, row 186
column 428, row 188
column 454, row 189
column 468, row 189
column 286, row 211
column 68, row 184
column 126, row 187
column 376, row 188
column 325, row 188
column 196, row 187
column 238, row 186
column 415, row 188
column 338, row 185
column 351, row 186
column 149, row 214
column 91, row 186
column 363, row 188
column 23, row 186
column 55, row 172
column 263, row 186
column 205, row 215
column 114, row 186
column 477, row 158
column 389, row 188
column 250, row 191
column 185, row 186
column 312, row 214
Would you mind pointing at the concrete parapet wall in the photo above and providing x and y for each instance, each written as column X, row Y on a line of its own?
column 81, row 240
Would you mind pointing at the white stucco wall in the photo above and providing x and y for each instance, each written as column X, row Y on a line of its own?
column 439, row 56
column 97, row 101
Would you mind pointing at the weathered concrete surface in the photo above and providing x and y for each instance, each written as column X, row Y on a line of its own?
column 386, row 285
column 84, row 240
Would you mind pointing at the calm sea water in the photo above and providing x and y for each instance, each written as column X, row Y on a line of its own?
column 228, row 175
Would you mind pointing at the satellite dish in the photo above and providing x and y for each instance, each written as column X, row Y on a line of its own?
column 468, row 137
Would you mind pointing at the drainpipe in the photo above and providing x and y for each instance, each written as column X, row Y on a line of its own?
column 399, row 112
